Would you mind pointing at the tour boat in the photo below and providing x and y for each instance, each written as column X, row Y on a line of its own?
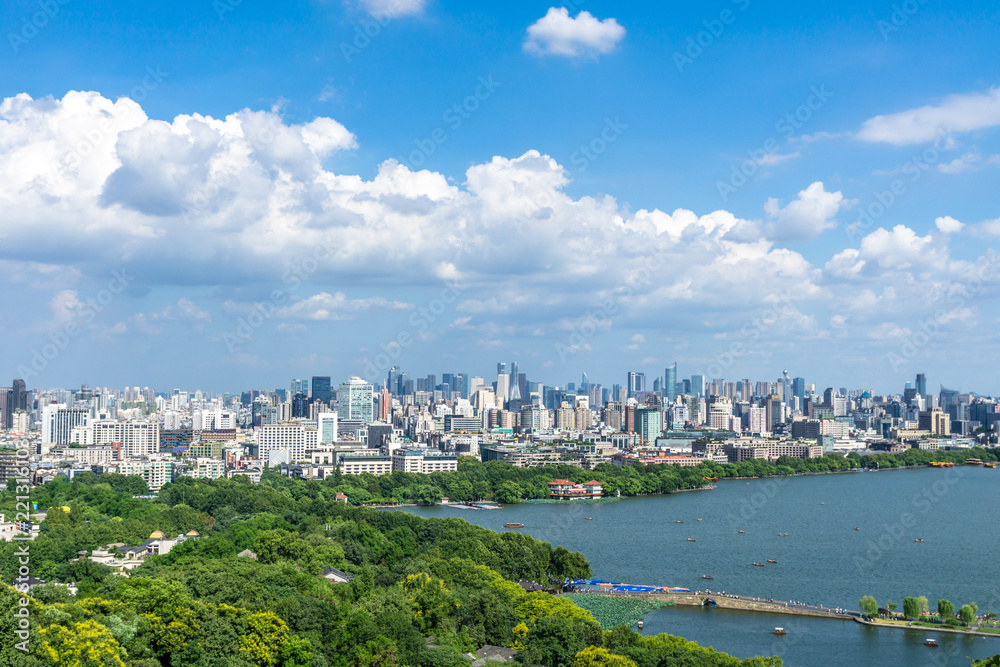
column 589, row 518
column 919, row 539
column 513, row 525
column 759, row 564
column 699, row 519
column 743, row 531
column 856, row 528
column 679, row 522
column 690, row 539
column 640, row 625
column 771, row 560
column 930, row 642
column 780, row 631
column 707, row 576
column 782, row 534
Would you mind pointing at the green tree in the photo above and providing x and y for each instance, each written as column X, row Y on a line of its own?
column 911, row 607
column 593, row 656
column 967, row 614
column 924, row 605
column 869, row 607
column 946, row 610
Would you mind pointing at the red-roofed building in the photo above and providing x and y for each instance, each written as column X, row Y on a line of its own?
column 563, row 489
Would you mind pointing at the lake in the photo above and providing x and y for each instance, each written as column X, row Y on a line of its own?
column 849, row 535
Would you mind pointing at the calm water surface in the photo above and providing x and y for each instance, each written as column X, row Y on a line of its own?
column 823, row 560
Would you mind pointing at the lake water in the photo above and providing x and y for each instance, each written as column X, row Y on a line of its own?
column 823, row 560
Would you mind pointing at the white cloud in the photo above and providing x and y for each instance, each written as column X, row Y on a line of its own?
column 393, row 8
column 556, row 34
column 987, row 228
column 900, row 250
column 955, row 114
column 948, row 225
column 806, row 217
column 961, row 164
column 774, row 159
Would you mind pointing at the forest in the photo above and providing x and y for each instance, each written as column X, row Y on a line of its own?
column 424, row 592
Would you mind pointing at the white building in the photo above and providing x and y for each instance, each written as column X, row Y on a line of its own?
column 156, row 472
column 207, row 468
column 422, row 461
column 293, row 437
column 137, row 438
column 58, row 422
column 327, row 424
column 359, row 465
column 355, row 401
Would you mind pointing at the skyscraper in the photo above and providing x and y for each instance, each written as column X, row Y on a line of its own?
column 921, row 384
column 698, row 385
column 670, row 382
column 515, row 388
column 321, row 388
column 355, row 401
column 392, row 380
column 636, row 383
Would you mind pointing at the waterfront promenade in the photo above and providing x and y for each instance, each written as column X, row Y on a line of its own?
column 740, row 602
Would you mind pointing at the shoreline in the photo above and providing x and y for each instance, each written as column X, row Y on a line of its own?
column 916, row 628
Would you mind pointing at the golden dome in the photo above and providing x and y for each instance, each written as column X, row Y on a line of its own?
column 157, row 535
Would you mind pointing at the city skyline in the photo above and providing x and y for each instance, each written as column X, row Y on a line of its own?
column 363, row 179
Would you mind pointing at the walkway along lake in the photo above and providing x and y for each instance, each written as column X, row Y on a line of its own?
column 823, row 560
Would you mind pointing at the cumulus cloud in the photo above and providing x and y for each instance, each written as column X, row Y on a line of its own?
column 804, row 218
column 966, row 162
column 898, row 250
column 955, row 114
column 557, row 34
column 948, row 225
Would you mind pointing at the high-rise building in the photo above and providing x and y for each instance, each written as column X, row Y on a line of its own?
column 698, row 386
column 636, row 383
column 515, row 387
column 670, row 382
column 392, row 380
column 58, row 422
column 921, row 384
column 321, row 389
column 355, row 401
column 299, row 387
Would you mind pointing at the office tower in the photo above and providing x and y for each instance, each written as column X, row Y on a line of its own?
column 475, row 383
column 321, row 389
column 58, row 421
column 327, row 425
column 501, row 368
column 786, row 389
column 670, row 382
column 299, row 387
column 432, row 383
column 698, row 385
column 300, row 406
column 921, row 384
column 799, row 391
column 392, row 380
column 584, row 382
column 658, row 385
column 462, row 385
column 515, row 388
column 404, row 385
column 355, row 401
column 636, row 383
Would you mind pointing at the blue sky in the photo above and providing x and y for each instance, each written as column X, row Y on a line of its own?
column 288, row 188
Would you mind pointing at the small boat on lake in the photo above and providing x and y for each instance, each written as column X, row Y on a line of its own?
column 513, row 525
column 782, row 534
column 640, row 625
column 919, row 539
column 588, row 518
column 930, row 642
column 856, row 528
column 780, row 631
column 742, row 531
column 707, row 576
column 691, row 539
column 758, row 564
column 771, row 560
column 678, row 522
